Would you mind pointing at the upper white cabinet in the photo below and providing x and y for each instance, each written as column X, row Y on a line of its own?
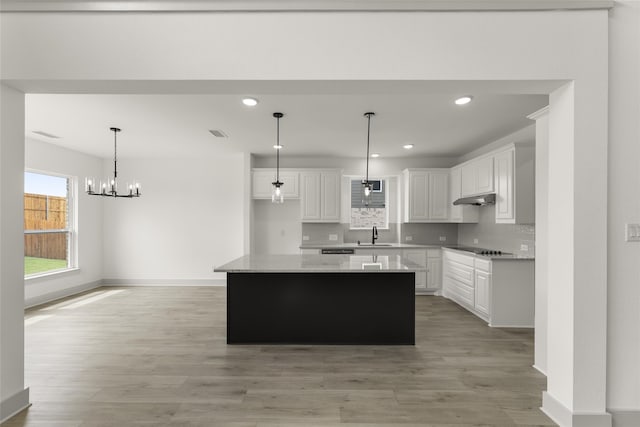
column 320, row 195
column 477, row 177
column 426, row 195
column 459, row 213
column 261, row 180
column 515, row 185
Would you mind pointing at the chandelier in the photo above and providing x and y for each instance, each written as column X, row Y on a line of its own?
column 109, row 187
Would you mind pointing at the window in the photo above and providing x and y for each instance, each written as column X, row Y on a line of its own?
column 376, row 213
column 48, row 223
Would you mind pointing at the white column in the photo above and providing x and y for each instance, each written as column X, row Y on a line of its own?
column 542, row 219
column 14, row 397
column 623, row 341
column 577, row 257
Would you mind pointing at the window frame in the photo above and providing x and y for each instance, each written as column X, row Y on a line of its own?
column 72, row 225
column 385, row 186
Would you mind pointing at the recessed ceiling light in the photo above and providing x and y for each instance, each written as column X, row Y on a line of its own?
column 250, row 102
column 375, row 155
column 407, row 146
column 277, row 147
column 464, row 100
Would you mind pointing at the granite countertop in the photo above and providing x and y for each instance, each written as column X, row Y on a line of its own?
column 381, row 245
column 319, row 264
column 466, row 249
column 506, row 257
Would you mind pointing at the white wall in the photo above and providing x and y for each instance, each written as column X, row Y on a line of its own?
column 189, row 219
column 277, row 228
column 623, row 382
column 13, row 395
column 43, row 157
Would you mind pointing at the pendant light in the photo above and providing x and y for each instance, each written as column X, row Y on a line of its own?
column 109, row 187
column 366, row 184
column 276, row 192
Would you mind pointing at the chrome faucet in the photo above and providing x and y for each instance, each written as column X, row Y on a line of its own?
column 374, row 235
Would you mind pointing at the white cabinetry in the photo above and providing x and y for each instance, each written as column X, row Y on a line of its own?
column 426, row 195
column 419, row 256
column 261, row 180
column 459, row 213
column 500, row 291
column 482, row 279
column 515, row 185
column 477, row 176
column 427, row 282
column 320, row 195
column 434, row 270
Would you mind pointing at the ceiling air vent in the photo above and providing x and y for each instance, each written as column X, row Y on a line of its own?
column 218, row 133
column 48, row 135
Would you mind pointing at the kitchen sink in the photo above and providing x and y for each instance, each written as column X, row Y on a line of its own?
column 372, row 245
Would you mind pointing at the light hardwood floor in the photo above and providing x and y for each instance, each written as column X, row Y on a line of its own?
column 156, row 356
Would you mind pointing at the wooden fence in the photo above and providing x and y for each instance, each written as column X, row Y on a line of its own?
column 43, row 212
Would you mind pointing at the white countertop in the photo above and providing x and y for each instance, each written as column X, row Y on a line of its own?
column 452, row 247
column 366, row 246
column 507, row 257
column 319, row 264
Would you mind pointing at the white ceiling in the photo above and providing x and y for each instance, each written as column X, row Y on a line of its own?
column 315, row 124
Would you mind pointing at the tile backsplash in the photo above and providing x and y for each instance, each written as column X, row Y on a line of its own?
column 514, row 238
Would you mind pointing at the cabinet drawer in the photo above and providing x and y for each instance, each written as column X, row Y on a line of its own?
column 459, row 272
column 458, row 257
column 459, row 292
column 483, row 264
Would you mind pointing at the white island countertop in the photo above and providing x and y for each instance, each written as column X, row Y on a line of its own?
column 320, row 264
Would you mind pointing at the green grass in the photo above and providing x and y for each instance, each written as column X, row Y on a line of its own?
column 34, row 265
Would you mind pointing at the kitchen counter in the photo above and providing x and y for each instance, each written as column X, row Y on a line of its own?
column 465, row 249
column 319, row 264
column 366, row 246
column 505, row 257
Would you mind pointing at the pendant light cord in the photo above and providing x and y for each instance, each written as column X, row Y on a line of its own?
column 278, row 150
column 115, row 155
column 368, row 135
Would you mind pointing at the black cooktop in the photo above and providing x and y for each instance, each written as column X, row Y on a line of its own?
column 477, row 251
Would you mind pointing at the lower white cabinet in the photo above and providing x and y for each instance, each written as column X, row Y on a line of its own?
column 482, row 291
column 499, row 291
column 427, row 282
column 419, row 256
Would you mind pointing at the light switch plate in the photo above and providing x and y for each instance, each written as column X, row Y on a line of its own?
column 632, row 232
column 475, row 241
column 408, row 238
column 305, row 238
column 443, row 238
column 333, row 237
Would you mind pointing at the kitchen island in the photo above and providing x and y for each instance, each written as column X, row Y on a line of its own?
column 320, row 299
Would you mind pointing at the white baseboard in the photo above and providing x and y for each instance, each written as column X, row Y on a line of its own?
column 564, row 417
column 537, row 368
column 625, row 417
column 14, row 404
column 164, row 282
column 52, row 296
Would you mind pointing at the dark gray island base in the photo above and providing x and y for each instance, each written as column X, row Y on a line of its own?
column 321, row 303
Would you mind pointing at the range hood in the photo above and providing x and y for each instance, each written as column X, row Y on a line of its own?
column 481, row 200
